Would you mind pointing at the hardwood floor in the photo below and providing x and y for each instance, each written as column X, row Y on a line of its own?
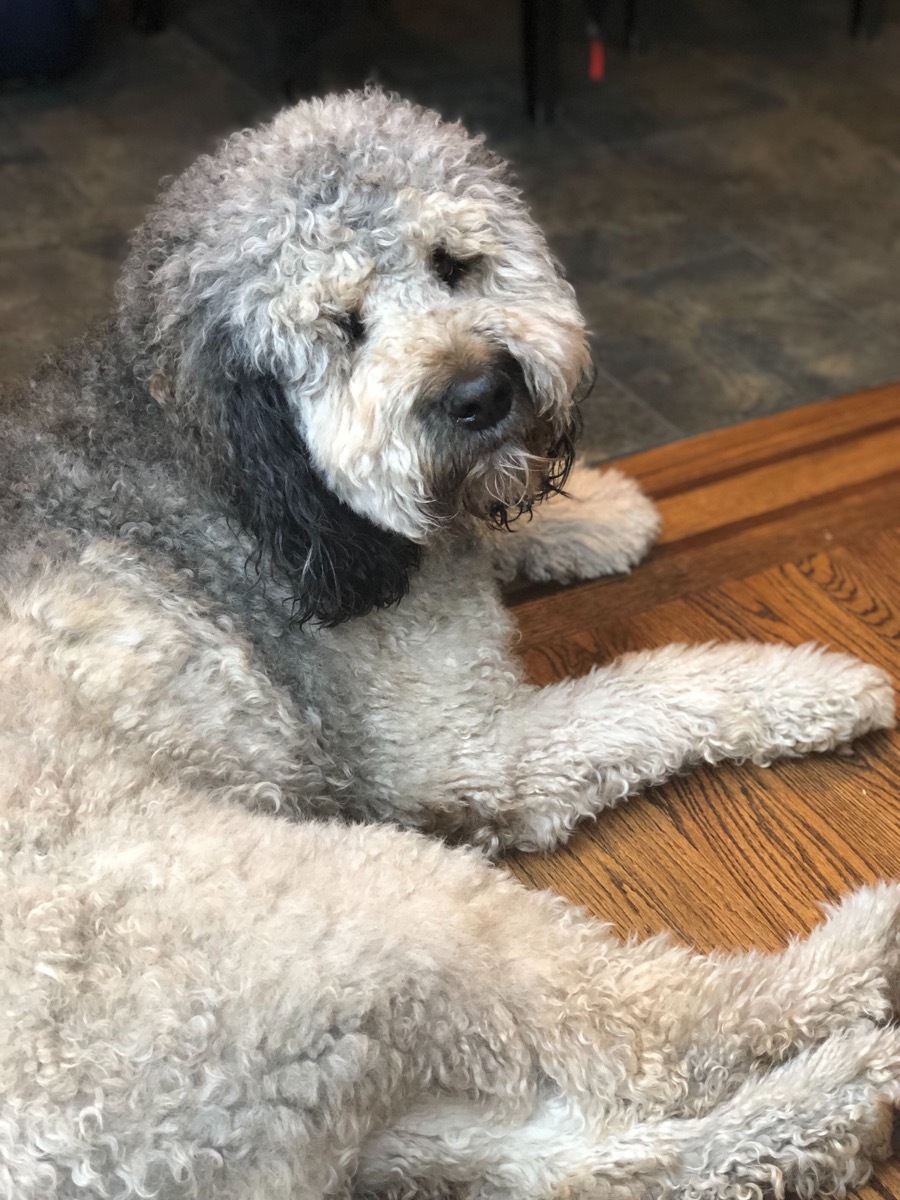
column 787, row 529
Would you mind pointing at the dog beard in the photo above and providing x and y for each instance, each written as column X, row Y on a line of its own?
column 507, row 482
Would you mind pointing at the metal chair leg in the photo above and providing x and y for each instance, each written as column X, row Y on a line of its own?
column 637, row 33
column 148, row 16
column 866, row 17
column 540, row 46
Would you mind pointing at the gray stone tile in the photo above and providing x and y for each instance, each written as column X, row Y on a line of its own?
column 490, row 105
column 854, row 82
column 728, row 338
column 640, row 95
column 612, row 250
column 106, row 166
column 481, row 35
column 851, row 256
column 778, row 162
column 147, row 114
column 262, row 43
column 869, row 111
column 658, row 92
column 616, row 422
column 15, row 145
column 802, row 190
column 167, row 84
column 748, row 312
column 641, row 342
column 38, row 204
column 764, row 28
column 48, row 295
column 604, row 218
column 727, row 205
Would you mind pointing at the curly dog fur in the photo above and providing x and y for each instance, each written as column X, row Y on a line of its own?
column 252, row 533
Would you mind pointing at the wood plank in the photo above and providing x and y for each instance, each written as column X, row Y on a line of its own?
column 886, row 1184
column 714, row 818
column 753, row 516
column 766, row 490
column 553, row 623
column 850, row 577
column 735, row 856
column 787, row 603
column 702, row 459
column 787, row 529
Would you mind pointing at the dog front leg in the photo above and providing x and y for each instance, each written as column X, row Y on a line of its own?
column 603, row 525
column 579, row 747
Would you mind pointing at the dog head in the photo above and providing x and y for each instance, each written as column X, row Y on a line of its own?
column 352, row 315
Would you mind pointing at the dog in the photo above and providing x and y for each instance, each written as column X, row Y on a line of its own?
column 252, row 532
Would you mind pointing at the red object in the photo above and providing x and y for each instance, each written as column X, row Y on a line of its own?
column 596, row 60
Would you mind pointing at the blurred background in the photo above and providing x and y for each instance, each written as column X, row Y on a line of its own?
column 726, row 199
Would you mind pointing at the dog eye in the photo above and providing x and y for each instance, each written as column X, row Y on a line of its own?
column 448, row 269
column 352, row 326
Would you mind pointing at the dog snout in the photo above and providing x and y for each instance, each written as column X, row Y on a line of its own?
column 480, row 396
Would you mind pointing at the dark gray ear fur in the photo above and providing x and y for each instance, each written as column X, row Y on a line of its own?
column 338, row 564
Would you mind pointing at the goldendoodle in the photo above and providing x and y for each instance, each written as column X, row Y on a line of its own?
column 252, row 533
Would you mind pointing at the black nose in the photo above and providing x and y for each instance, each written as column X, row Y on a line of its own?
column 479, row 397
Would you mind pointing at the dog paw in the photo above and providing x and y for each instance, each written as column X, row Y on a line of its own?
column 625, row 522
column 814, row 700
column 604, row 527
column 847, row 969
column 864, row 929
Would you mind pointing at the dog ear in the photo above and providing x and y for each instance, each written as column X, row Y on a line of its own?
column 585, row 386
column 338, row 563
column 561, row 454
column 560, row 460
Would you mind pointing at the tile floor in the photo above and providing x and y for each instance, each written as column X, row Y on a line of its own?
column 727, row 202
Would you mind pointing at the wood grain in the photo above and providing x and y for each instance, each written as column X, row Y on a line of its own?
column 772, row 439
column 785, row 529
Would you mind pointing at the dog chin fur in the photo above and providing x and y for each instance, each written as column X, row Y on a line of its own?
column 252, row 646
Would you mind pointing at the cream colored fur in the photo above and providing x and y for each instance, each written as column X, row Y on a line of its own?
column 219, row 978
